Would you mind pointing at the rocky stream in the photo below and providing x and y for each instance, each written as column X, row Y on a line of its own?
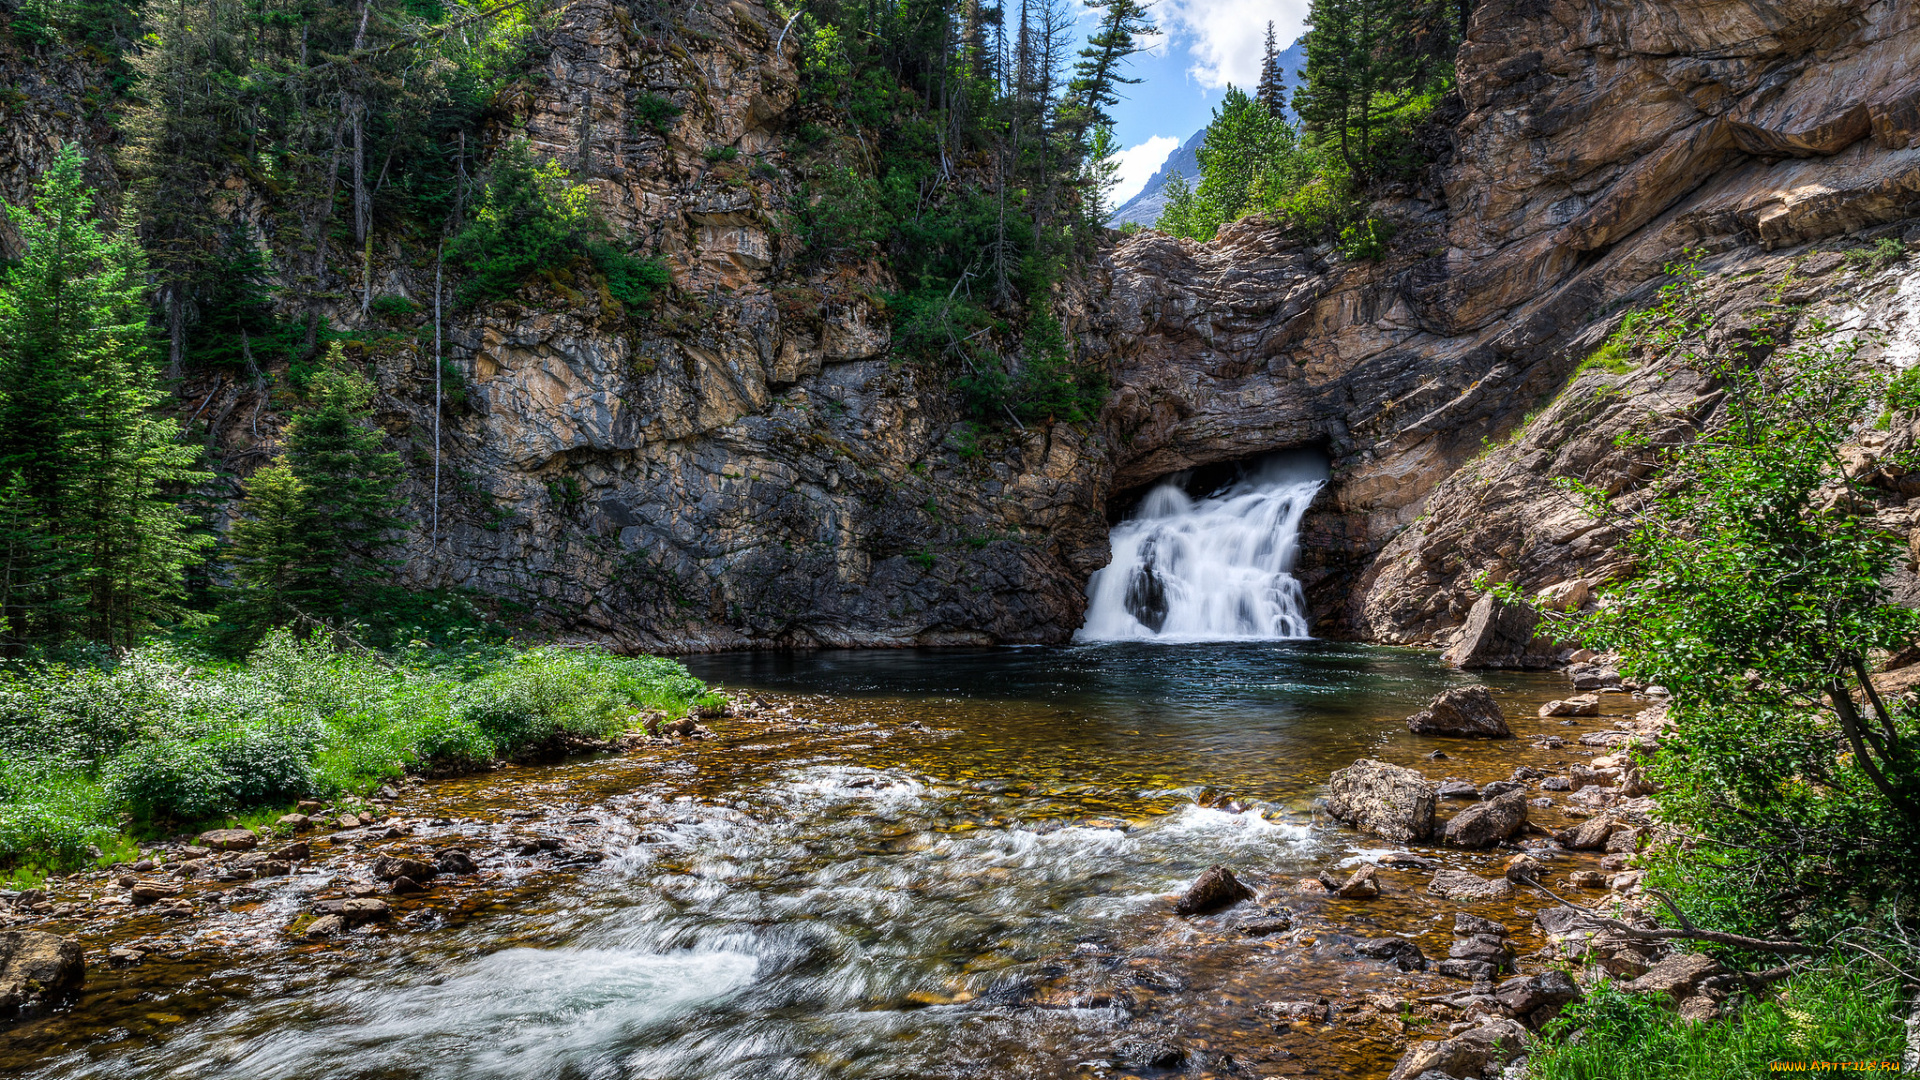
column 900, row 864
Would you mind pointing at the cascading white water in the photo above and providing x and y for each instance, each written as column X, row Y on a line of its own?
column 1213, row 569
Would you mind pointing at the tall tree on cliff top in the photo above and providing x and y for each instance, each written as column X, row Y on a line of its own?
column 95, row 546
column 1098, row 76
column 1271, row 91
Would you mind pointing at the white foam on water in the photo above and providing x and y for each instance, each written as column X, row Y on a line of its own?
column 518, row 1013
column 1215, row 569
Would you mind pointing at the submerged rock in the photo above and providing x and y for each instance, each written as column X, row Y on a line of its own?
column 1399, row 952
column 1462, row 886
column 1215, row 889
column 37, row 970
column 1385, row 800
column 1464, row 712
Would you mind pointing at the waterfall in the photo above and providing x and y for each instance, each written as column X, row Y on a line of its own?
column 1217, row 568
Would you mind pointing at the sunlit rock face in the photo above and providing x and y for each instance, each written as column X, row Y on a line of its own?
column 755, row 465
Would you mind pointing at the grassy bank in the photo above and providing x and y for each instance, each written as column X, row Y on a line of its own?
column 92, row 754
column 1833, row 1014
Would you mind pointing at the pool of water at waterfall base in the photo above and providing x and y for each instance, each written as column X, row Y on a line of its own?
column 951, row 863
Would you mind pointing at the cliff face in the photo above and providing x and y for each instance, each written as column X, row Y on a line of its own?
column 754, row 467
column 1599, row 141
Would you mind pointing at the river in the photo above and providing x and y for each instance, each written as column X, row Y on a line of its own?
column 952, row 863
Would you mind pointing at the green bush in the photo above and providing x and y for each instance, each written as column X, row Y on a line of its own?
column 164, row 737
column 391, row 306
column 720, row 153
column 1825, row 1015
column 532, row 222
column 654, row 113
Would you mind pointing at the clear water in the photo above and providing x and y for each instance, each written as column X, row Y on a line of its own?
column 962, row 869
column 1217, row 568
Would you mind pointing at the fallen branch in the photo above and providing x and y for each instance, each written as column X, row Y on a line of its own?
column 1689, row 932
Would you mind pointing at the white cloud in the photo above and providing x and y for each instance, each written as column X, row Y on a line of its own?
column 1137, row 165
column 1225, row 37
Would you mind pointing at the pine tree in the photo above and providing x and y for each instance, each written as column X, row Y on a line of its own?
column 1098, row 76
column 1272, row 88
column 1356, row 66
column 95, row 544
column 274, row 571
column 351, row 497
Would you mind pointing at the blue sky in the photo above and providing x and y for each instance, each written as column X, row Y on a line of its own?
column 1205, row 45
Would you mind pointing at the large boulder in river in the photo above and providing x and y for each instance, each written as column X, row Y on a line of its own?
column 37, row 970
column 1501, row 635
column 1464, row 712
column 1215, row 889
column 1486, row 824
column 1382, row 799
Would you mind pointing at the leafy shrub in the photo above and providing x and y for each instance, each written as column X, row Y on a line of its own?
column 1884, row 253
column 654, row 113
column 533, row 221
column 169, row 780
column 1366, row 239
column 393, row 307
column 1825, row 1015
column 720, row 153
column 169, row 738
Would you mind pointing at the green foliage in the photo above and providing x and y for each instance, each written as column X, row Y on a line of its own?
column 311, row 533
column 393, row 307
column 532, row 222
column 1371, row 77
column 1366, row 239
column 1883, row 253
column 92, row 541
column 720, row 153
column 1830, row 1014
column 1759, row 600
column 1615, row 355
column 651, row 112
column 168, row 738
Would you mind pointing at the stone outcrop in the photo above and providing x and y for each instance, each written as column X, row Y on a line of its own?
column 752, row 467
column 1386, row 800
column 37, row 970
column 1477, row 1052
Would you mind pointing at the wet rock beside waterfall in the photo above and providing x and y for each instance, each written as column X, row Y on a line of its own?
column 394, row 867
column 1458, row 789
column 1464, row 712
column 457, row 862
column 37, row 970
column 1385, row 800
column 326, row 926
column 1488, row 823
column 1501, row 635
column 1215, row 889
column 1282, row 1013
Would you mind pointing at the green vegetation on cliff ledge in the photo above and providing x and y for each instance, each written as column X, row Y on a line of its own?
column 964, row 149
column 1375, row 72
column 162, row 738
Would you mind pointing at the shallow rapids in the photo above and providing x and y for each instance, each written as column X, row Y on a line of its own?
column 957, row 866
